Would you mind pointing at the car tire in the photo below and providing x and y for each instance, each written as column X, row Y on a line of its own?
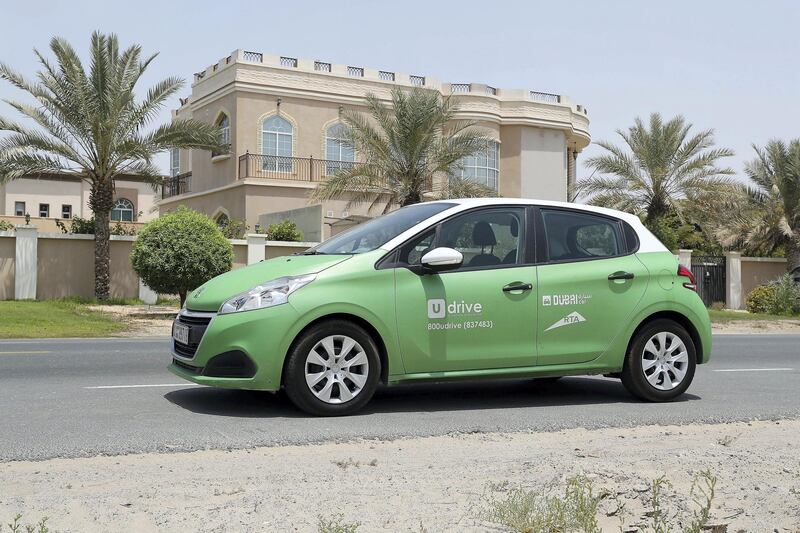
column 660, row 362
column 322, row 380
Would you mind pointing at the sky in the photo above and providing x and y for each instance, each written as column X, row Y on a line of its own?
column 728, row 65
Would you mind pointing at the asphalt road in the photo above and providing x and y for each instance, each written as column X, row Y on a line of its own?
column 69, row 398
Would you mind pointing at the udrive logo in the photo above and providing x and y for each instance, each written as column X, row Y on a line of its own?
column 438, row 308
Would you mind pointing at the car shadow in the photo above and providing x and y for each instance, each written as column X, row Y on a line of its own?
column 427, row 397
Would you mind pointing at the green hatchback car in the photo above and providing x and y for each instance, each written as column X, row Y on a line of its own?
column 456, row 289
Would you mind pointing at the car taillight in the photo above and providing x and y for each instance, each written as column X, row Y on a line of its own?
column 684, row 272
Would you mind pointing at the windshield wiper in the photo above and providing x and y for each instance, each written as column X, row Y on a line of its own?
column 311, row 252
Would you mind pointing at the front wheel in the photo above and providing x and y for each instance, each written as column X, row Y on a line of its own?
column 661, row 362
column 333, row 370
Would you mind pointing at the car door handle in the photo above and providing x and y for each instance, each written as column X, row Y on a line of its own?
column 620, row 275
column 517, row 287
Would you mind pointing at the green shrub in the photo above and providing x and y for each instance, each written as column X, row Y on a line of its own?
column 758, row 301
column 785, row 296
column 286, row 230
column 536, row 510
column 336, row 524
column 16, row 526
column 234, row 228
column 6, row 226
column 85, row 226
column 180, row 251
column 779, row 297
column 80, row 225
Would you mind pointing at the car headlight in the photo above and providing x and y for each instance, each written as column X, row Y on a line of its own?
column 267, row 294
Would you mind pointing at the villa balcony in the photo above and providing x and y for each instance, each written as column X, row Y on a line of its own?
column 275, row 167
column 175, row 185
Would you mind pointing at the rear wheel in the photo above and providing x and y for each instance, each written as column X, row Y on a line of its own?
column 661, row 362
column 333, row 370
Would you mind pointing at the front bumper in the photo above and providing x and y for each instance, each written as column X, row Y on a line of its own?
column 239, row 350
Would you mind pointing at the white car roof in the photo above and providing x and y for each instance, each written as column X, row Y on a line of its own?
column 647, row 241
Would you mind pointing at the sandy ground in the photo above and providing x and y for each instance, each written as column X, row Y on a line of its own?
column 757, row 326
column 429, row 484
column 142, row 320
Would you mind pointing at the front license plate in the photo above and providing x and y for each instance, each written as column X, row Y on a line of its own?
column 180, row 333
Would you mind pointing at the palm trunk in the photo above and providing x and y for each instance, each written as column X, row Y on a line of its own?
column 101, row 202
column 793, row 251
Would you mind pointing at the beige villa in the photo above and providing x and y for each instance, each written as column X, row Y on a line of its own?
column 281, row 117
column 50, row 197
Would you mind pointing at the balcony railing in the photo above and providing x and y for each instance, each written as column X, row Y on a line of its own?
column 550, row 98
column 180, row 184
column 278, row 167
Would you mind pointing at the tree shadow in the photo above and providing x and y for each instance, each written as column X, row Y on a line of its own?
column 422, row 397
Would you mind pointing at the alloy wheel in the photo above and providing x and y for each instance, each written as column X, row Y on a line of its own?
column 336, row 369
column 665, row 360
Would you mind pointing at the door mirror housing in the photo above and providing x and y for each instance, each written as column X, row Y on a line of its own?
column 442, row 259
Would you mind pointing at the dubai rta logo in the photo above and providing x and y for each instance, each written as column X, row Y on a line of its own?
column 436, row 308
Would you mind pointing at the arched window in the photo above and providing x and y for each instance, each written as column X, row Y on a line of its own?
column 122, row 210
column 339, row 153
column 276, row 144
column 224, row 125
column 222, row 221
column 482, row 166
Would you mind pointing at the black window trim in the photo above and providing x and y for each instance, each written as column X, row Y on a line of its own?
column 390, row 259
column 542, row 248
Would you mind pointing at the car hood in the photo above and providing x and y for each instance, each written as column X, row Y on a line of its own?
column 211, row 295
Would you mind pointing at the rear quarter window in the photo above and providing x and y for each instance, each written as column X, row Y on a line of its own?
column 574, row 236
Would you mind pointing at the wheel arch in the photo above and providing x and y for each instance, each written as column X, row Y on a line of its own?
column 681, row 319
column 383, row 353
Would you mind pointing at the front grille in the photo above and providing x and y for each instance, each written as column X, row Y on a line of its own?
column 197, row 327
column 193, row 320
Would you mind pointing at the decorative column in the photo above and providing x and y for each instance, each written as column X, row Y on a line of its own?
column 25, row 262
column 685, row 258
column 572, row 161
column 256, row 248
column 146, row 294
column 734, row 299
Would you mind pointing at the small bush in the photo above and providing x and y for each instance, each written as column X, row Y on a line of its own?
column 285, row 230
column 234, row 228
column 6, row 226
column 759, row 298
column 180, row 251
column 80, row 225
column 536, row 510
column 779, row 297
column 785, row 296
column 85, row 226
column 16, row 526
column 336, row 525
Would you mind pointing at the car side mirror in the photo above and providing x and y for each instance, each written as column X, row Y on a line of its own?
column 442, row 259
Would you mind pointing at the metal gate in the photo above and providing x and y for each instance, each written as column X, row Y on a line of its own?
column 709, row 271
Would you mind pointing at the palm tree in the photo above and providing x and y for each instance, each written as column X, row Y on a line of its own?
column 402, row 147
column 90, row 125
column 765, row 217
column 662, row 165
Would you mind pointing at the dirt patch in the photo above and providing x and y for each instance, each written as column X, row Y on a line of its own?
column 757, row 326
column 141, row 320
column 421, row 484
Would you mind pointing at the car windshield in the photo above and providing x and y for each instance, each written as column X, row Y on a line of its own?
column 373, row 234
